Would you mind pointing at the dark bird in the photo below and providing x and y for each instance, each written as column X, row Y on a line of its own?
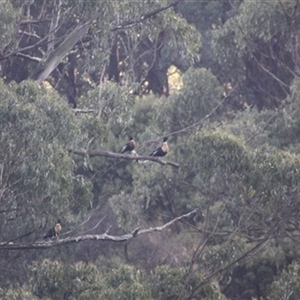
column 54, row 231
column 129, row 146
column 163, row 150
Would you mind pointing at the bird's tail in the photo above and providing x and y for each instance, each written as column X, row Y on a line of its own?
column 143, row 161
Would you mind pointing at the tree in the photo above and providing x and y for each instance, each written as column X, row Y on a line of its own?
column 36, row 170
column 260, row 44
column 79, row 44
column 224, row 199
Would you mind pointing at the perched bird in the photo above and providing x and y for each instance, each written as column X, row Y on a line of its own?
column 129, row 146
column 54, row 231
column 163, row 150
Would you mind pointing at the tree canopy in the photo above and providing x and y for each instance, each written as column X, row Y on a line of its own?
column 217, row 217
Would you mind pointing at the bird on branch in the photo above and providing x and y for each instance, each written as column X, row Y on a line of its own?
column 54, row 231
column 129, row 146
column 163, row 150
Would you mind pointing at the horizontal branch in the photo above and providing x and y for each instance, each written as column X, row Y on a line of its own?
column 85, row 111
column 34, row 22
column 91, row 237
column 93, row 153
column 35, row 59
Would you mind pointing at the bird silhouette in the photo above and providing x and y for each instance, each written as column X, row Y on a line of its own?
column 162, row 150
column 129, row 146
column 54, row 231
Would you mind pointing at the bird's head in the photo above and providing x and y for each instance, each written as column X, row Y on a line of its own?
column 130, row 138
column 165, row 139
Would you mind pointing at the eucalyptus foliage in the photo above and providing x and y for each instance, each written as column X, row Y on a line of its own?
column 238, row 160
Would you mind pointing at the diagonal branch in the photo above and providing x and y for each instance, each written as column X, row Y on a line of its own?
column 57, row 55
column 259, row 246
column 94, row 153
column 144, row 16
column 282, row 84
column 198, row 123
column 201, row 246
column 91, row 237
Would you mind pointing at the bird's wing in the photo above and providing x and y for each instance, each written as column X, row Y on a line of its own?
column 49, row 233
column 125, row 148
column 154, row 152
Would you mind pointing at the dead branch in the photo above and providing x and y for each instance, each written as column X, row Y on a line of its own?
column 90, row 237
column 56, row 56
column 94, row 153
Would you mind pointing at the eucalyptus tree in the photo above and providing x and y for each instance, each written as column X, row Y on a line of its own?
column 257, row 47
column 38, row 184
column 74, row 45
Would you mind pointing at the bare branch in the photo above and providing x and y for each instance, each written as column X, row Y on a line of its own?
column 56, row 56
column 103, row 103
column 94, row 153
column 198, row 123
column 90, row 237
column 282, row 84
column 186, row 129
column 161, row 228
column 258, row 247
column 56, row 12
column 85, row 111
column 144, row 16
column 39, row 43
column 201, row 246
column 35, row 59
column 18, row 237
column 34, row 21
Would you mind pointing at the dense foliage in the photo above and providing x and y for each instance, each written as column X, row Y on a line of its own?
column 220, row 79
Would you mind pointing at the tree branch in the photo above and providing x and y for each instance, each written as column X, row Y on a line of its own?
column 244, row 256
column 143, row 17
column 39, row 43
column 94, row 153
column 283, row 84
column 85, row 111
column 56, row 56
column 35, row 59
column 91, row 237
column 198, row 123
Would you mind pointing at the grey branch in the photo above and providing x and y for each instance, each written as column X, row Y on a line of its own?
column 91, row 237
column 144, row 16
column 85, row 111
column 32, row 58
column 56, row 56
column 93, row 153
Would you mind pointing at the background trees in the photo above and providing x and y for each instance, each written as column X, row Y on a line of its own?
column 220, row 78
